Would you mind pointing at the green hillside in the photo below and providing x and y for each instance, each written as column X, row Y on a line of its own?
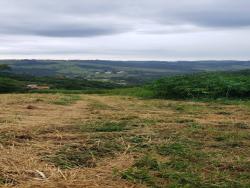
column 210, row 85
column 17, row 83
column 122, row 72
column 205, row 85
column 195, row 86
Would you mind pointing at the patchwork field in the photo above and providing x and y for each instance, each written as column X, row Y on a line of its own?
column 56, row 140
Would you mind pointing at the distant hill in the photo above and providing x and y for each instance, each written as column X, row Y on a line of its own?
column 10, row 83
column 122, row 72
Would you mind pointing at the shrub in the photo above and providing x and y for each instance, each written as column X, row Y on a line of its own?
column 204, row 85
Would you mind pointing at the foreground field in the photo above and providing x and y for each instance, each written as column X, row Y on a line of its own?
column 58, row 140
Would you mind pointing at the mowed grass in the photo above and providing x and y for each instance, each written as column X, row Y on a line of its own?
column 66, row 99
column 115, row 141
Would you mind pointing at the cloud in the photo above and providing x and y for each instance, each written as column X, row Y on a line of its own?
column 145, row 28
column 62, row 18
column 63, row 29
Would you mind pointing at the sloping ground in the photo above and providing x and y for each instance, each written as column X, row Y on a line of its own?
column 109, row 141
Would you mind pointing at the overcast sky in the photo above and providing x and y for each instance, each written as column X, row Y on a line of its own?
column 125, row 29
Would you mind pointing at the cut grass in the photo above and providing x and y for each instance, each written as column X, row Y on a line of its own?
column 138, row 176
column 111, row 127
column 232, row 139
column 148, row 142
column 98, row 105
column 66, row 99
column 233, row 136
column 106, row 126
column 79, row 156
column 241, row 125
column 177, row 167
column 177, row 149
column 184, row 120
column 2, row 181
column 184, row 165
column 148, row 162
column 150, row 171
column 10, row 138
column 6, row 181
column 194, row 127
column 71, row 157
column 189, row 108
column 140, row 143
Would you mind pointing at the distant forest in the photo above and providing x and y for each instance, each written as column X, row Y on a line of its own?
column 119, row 72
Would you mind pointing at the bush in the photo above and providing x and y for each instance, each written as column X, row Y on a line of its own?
column 4, row 67
column 10, row 85
column 204, row 85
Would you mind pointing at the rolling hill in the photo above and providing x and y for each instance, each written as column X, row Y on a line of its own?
column 122, row 72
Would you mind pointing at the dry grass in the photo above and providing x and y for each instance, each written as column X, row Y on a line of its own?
column 104, row 141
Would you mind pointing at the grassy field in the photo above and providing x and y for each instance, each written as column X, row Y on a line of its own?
column 66, row 140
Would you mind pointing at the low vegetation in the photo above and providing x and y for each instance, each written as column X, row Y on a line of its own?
column 200, row 86
column 66, row 99
column 18, row 83
column 78, row 156
column 124, row 141
column 8, row 85
column 205, row 85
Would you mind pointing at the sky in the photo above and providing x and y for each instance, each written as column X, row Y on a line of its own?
column 125, row 29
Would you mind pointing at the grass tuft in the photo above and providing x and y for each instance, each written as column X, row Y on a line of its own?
column 66, row 99
column 177, row 149
column 107, row 126
column 79, row 156
column 138, row 176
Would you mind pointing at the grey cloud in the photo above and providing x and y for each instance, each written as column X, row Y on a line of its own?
column 125, row 28
column 86, row 31
column 223, row 20
column 59, row 19
column 51, row 18
column 58, row 25
column 233, row 16
column 63, row 29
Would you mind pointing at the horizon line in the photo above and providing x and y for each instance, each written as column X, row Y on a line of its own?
column 125, row 60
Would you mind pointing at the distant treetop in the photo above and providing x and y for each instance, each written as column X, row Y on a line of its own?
column 4, row 67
